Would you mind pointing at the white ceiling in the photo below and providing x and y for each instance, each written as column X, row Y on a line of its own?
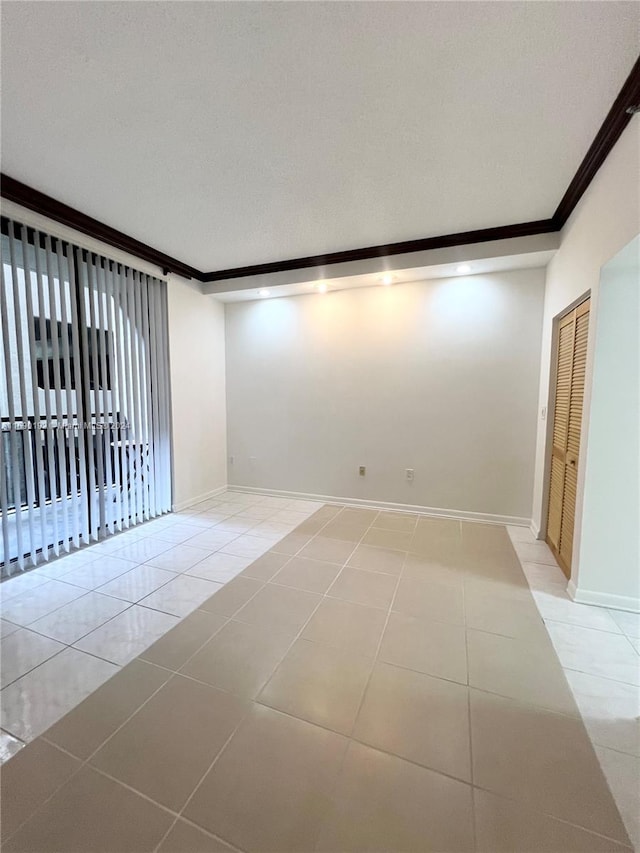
column 228, row 134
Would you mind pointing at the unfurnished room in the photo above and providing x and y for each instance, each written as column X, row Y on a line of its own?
column 320, row 426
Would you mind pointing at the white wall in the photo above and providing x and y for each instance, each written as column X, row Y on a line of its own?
column 439, row 376
column 605, row 220
column 196, row 347
column 610, row 546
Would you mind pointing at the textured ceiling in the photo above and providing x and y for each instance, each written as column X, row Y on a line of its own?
column 228, row 134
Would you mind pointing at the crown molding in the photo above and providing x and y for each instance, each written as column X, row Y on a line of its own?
column 614, row 124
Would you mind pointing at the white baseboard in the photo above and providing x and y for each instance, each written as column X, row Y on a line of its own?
column 458, row 514
column 603, row 599
column 535, row 530
column 176, row 507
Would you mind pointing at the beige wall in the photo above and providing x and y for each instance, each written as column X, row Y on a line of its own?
column 605, row 220
column 196, row 348
column 439, row 376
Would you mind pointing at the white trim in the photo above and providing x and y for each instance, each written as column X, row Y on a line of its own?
column 460, row 515
column 603, row 599
column 535, row 530
column 198, row 499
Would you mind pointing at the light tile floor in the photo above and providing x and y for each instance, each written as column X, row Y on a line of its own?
column 375, row 681
column 112, row 600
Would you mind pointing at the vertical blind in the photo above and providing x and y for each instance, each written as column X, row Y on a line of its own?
column 84, row 397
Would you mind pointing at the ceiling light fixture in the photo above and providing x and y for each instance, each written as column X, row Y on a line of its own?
column 387, row 279
column 463, row 269
column 263, row 292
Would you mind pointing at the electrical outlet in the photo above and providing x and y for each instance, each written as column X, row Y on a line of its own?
column 409, row 474
column 362, row 470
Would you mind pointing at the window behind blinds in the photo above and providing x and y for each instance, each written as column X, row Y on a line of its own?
column 84, row 397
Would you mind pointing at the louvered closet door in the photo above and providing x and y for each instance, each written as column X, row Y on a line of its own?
column 567, row 418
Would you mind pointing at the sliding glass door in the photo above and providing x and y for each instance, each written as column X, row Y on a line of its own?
column 84, row 397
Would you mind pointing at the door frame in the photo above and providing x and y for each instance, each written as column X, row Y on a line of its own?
column 551, row 403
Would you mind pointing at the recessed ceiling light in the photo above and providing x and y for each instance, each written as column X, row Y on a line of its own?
column 463, row 269
column 322, row 287
column 263, row 292
column 387, row 279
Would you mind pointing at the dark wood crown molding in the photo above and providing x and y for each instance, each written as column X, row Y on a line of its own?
column 463, row 238
column 616, row 121
column 20, row 193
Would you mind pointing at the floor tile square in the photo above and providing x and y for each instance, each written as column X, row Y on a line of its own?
column 99, row 571
column 87, row 726
column 347, row 626
column 219, row 567
column 504, row 826
column 127, row 635
column 271, row 787
column 528, row 672
column 318, row 683
column 279, row 607
column 372, row 589
column 292, row 543
column 240, row 658
column 383, row 803
column 181, row 595
column 398, row 540
column 248, row 546
column 30, row 778
column 265, row 567
column 179, row 559
column 25, row 608
column 310, row 575
column 331, row 550
column 41, row 697
column 175, row 648
column 113, row 818
column 23, row 650
column 595, row 652
column 417, row 717
column 543, row 760
column 400, row 521
column 137, row 583
column 72, row 621
column 375, row 559
column 435, row 648
column 232, row 596
column 430, row 599
column 159, row 755
column 186, row 838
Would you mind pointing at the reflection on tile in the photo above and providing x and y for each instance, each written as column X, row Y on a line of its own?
column 19, row 583
column 560, row 608
column 219, row 567
column 29, row 606
column 181, row 595
column 143, row 549
column 113, row 819
column 72, row 621
column 37, row 700
column 435, row 648
column 240, row 657
column 22, row 651
column 99, row 572
column 179, row 559
column 127, row 635
column 383, row 803
column 9, row 746
column 137, row 583
column 372, row 589
column 417, row 717
column 595, row 652
column 244, row 801
column 320, row 684
column 629, row 623
column 248, row 546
